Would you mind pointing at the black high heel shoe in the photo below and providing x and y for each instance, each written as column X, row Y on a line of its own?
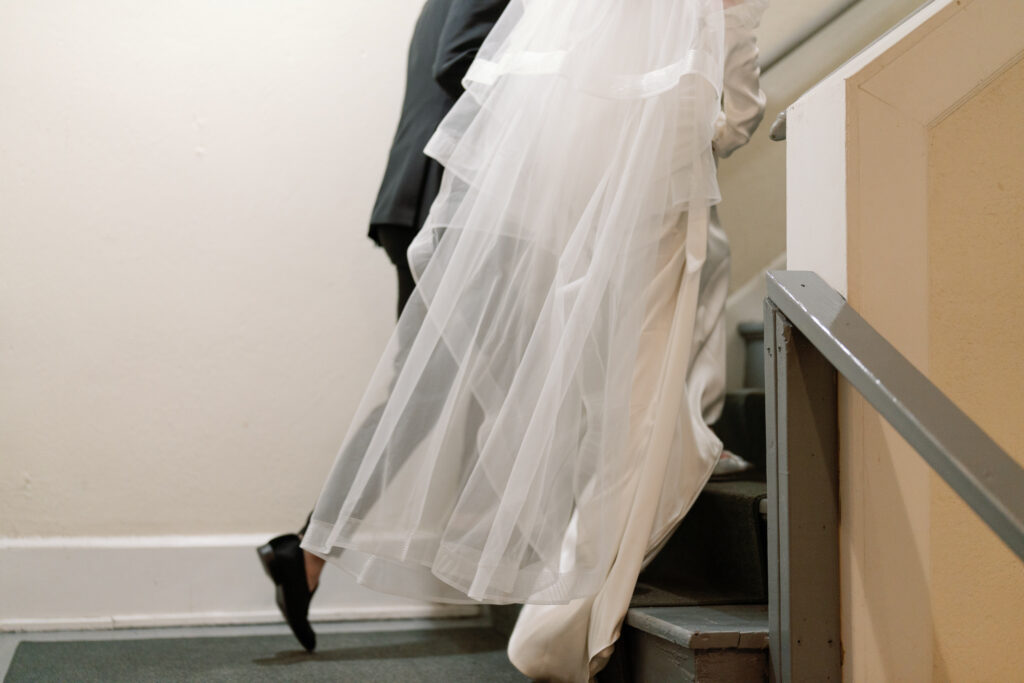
column 283, row 562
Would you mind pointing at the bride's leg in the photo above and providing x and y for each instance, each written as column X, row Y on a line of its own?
column 314, row 567
column 549, row 642
column 573, row 642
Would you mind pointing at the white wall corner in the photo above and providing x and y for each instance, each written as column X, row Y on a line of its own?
column 816, row 183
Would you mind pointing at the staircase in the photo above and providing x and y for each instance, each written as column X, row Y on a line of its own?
column 727, row 643
column 700, row 609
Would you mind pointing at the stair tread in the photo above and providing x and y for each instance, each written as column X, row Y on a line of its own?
column 662, row 592
column 705, row 627
column 749, row 487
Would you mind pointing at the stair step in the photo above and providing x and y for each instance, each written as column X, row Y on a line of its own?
column 718, row 555
column 665, row 593
column 703, row 644
column 710, row 574
column 741, row 426
column 753, row 342
column 706, row 627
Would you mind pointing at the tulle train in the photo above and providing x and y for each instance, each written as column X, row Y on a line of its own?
column 495, row 433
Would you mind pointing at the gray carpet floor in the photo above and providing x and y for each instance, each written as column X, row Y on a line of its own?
column 445, row 655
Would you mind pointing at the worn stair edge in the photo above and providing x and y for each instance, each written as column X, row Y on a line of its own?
column 705, row 627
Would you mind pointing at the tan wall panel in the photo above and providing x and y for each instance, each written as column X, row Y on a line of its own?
column 885, row 492
column 976, row 355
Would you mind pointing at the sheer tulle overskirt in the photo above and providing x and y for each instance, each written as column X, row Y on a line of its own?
column 494, row 432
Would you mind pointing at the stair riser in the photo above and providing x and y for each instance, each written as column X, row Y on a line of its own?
column 653, row 659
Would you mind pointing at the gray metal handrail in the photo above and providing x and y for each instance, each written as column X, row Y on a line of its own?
column 810, row 334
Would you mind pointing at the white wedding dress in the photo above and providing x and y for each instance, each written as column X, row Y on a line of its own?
column 538, row 424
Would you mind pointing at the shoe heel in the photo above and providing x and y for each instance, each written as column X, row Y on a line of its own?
column 282, row 560
column 268, row 558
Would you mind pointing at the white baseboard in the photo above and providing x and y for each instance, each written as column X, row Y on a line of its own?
column 64, row 583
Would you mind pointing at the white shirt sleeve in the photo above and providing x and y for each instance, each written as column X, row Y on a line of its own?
column 743, row 101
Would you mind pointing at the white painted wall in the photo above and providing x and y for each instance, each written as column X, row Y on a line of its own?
column 189, row 304
column 80, row 582
column 189, row 307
